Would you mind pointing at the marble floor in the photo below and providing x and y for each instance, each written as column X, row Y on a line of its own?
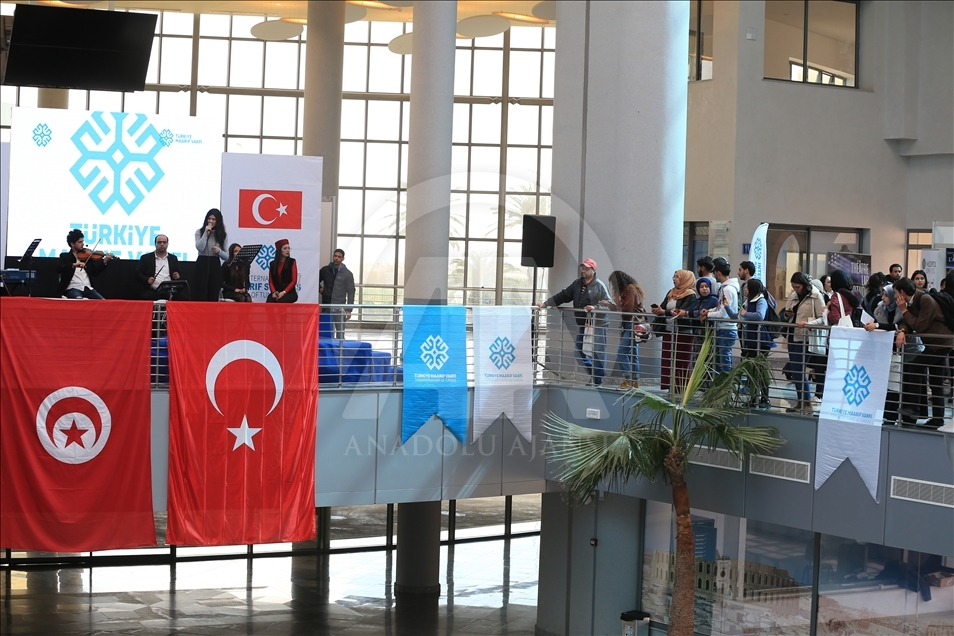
column 487, row 587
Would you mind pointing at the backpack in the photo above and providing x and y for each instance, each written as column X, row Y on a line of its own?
column 946, row 303
column 774, row 331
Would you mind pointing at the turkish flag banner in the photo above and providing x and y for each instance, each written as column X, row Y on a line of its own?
column 243, row 414
column 75, row 472
column 271, row 209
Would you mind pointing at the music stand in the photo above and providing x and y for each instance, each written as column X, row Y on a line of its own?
column 247, row 254
column 24, row 262
column 169, row 288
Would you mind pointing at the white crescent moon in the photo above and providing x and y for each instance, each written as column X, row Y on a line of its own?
column 255, row 212
column 244, row 350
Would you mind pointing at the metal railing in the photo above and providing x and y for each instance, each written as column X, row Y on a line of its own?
column 567, row 352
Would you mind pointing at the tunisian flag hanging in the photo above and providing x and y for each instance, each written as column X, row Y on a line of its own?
column 74, row 425
column 243, row 409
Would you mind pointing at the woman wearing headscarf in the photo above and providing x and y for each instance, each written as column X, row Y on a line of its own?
column 803, row 307
column 677, row 338
column 913, row 390
column 627, row 298
column 843, row 299
column 756, row 340
column 282, row 275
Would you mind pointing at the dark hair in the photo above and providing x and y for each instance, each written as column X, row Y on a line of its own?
column 841, row 282
column 915, row 273
column 754, row 287
column 219, row 230
column 706, row 262
column 73, row 236
column 748, row 265
column 339, row 250
column 893, row 265
column 155, row 241
column 906, row 286
column 231, row 256
column 824, row 279
column 875, row 283
column 948, row 282
column 722, row 266
column 802, row 279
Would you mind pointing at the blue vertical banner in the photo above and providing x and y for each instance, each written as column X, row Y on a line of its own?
column 435, row 368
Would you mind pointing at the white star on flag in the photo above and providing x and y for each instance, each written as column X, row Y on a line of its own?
column 282, row 209
column 243, row 434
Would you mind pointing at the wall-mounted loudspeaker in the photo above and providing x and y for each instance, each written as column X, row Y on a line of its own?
column 539, row 241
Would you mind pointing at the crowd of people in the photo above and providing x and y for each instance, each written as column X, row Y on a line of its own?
column 712, row 300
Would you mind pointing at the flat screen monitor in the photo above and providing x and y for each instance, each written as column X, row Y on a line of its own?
column 58, row 47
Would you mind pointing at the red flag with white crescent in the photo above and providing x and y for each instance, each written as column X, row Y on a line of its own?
column 243, row 413
column 75, row 434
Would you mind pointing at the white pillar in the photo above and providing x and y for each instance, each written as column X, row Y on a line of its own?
column 619, row 139
column 429, row 152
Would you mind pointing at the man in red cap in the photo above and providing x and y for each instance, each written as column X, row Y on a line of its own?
column 585, row 293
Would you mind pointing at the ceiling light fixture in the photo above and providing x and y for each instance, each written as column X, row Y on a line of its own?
column 545, row 10
column 398, row 3
column 481, row 26
column 521, row 17
column 372, row 4
column 402, row 44
column 276, row 30
column 295, row 20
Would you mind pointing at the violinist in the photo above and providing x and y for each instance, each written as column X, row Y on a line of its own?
column 76, row 266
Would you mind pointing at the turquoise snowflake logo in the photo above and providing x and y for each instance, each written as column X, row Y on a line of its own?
column 265, row 256
column 434, row 352
column 166, row 137
column 42, row 135
column 502, row 353
column 117, row 162
column 857, row 385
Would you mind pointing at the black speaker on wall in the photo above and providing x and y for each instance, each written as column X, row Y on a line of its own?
column 539, row 240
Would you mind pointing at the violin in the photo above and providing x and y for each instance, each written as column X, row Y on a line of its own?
column 86, row 254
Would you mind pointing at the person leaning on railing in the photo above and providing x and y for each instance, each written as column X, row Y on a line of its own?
column 676, row 354
column 803, row 307
column 912, row 396
column 756, row 340
column 922, row 315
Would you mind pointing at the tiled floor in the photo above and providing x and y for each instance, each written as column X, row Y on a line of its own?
column 486, row 588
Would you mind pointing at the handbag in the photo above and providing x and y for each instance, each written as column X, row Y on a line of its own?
column 845, row 320
column 894, row 373
column 589, row 338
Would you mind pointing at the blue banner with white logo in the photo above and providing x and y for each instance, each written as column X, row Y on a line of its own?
column 435, row 368
column 851, row 414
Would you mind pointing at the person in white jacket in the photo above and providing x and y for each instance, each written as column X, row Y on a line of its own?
column 727, row 310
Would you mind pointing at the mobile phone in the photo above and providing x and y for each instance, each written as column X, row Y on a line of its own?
column 654, row 306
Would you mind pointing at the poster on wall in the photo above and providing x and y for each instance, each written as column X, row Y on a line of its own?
column 931, row 264
column 266, row 198
column 719, row 239
column 857, row 266
column 121, row 178
column 950, row 258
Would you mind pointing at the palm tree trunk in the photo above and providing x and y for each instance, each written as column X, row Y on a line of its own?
column 681, row 612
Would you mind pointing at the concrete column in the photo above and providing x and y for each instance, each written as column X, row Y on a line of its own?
column 429, row 153
column 324, row 57
column 418, row 548
column 53, row 98
column 619, row 139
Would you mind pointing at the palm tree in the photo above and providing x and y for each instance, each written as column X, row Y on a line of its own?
column 646, row 447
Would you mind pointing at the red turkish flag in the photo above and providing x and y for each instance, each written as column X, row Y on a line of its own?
column 243, row 413
column 270, row 209
column 75, row 434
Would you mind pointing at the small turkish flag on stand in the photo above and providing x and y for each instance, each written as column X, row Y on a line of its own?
column 271, row 209
column 243, row 413
column 75, row 434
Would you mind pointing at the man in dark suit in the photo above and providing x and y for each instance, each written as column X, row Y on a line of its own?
column 156, row 267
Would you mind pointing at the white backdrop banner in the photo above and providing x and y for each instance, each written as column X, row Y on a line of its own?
column 121, row 178
column 852, row 411
column 4, row 199
column 758, row 252
column 503, row 373
column 270, row 197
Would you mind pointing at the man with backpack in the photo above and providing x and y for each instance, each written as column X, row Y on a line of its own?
column 930, row 319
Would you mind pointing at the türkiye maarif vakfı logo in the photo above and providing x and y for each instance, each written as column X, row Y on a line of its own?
column 117, row 163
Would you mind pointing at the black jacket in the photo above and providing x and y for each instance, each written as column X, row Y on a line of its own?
column 582, row 295
column 64, row 267
column 146, row 268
